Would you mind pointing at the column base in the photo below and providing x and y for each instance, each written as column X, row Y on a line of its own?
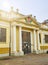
column 13, row 53
column 20, row 53
column 17, row 53
column 35, row 51
column 38, row 51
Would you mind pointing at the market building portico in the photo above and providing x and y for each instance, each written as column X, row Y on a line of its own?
column 21, row 34
column 24, row 36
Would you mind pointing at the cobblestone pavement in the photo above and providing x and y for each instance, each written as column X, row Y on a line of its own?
column 29, row 59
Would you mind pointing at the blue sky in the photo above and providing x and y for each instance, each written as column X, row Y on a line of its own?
column 38, row 8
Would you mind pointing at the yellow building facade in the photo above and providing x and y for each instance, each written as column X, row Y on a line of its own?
column 21, row 34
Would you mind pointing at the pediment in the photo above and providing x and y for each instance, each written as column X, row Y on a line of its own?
column 25, row 20
column 34, row 23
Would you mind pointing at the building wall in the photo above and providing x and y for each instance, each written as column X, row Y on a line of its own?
column 43, row 45
column 17, row 23
column 4, row 46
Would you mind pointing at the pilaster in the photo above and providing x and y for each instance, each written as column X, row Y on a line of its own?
column 20, row 41
column 14, row 40
column 35, row 43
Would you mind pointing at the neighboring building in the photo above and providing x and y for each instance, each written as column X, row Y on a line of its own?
column 21, row 34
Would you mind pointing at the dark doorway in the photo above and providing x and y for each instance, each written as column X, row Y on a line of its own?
column 26, row 42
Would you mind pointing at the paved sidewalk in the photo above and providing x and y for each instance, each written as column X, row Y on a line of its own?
column 30, row 59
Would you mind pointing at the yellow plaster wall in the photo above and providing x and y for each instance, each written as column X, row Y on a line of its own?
column 4, row 46
column 43, row 47
column 4, row 50
column 17, row 39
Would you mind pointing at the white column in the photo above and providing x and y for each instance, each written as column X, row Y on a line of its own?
column 35, row 43
column 38, row 40
column 14, row 39
column 20, row 40
column 31, row 42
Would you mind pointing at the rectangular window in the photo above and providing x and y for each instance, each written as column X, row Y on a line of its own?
column 46, row 38
column 40, row 38
column 2, row 35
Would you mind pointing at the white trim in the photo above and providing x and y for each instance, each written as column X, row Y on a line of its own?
column 24, row 26
column 3, row 55
column 26, row 30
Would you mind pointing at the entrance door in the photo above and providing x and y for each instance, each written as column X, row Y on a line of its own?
column 26, row 42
